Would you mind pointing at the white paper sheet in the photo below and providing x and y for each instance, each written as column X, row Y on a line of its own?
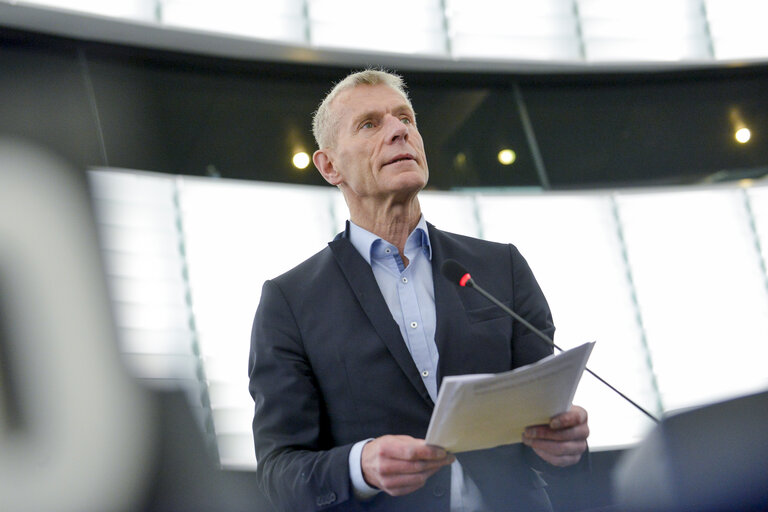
column 486, row 410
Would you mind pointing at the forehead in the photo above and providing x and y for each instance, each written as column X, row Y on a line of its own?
column 363, row 99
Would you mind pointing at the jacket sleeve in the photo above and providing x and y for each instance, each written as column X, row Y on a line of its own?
column 530, row 303
column 298, row 466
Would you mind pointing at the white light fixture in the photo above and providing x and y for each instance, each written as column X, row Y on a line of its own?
column 742, row 135
column 301, row 160
column 507, row 157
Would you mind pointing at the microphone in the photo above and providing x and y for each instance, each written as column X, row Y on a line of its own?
column 456, row 273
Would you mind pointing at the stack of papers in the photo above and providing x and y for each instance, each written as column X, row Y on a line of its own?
column 480, row 411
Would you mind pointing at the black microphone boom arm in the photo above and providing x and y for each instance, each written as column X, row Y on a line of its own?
column 456, row 273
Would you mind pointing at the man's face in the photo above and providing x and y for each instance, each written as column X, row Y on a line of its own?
column 378, row 151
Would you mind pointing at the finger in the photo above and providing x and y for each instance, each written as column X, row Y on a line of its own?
column 559, row 454
column 574, row 416
column 558, row 448
column 409, row 448
column 427, row 452
column 543, row 432
column 561, row 461
column 399, row 483
column 397, row 466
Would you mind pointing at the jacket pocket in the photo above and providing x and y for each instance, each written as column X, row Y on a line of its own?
column 486, row 313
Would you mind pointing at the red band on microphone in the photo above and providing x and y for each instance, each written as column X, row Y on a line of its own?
column 463, row 281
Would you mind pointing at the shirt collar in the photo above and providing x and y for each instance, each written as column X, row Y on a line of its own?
column 363, row 240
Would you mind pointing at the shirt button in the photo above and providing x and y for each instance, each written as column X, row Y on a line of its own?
column 414, row 325
column 425, row 373
column 405, row 279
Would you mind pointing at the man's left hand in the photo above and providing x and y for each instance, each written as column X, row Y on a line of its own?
column 563, row 440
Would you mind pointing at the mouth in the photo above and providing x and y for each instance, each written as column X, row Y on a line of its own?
column 400, row 158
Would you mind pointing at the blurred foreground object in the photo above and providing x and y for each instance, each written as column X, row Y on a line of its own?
column 713, row 458
column 75, row 430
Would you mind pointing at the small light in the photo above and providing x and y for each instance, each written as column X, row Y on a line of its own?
column 301, row 160
column 460, row 160
column 742, row 135
column 507, row 157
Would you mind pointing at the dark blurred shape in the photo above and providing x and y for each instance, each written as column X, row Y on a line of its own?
column 713, row 458
column 11, row 415
column 77, row 433
column 183, row 477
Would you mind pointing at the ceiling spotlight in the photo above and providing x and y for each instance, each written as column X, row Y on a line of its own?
column 507, row 157
column 742, row 135
column 301, row 160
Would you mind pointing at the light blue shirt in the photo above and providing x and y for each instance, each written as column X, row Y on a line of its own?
column 410, row 296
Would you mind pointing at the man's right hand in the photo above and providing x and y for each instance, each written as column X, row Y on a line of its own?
column 399, row 465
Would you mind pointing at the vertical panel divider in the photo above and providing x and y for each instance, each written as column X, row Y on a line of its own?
column 755, row 235
column 90, row 91
column 530, row 136
column 208, row 427
column 635, row 302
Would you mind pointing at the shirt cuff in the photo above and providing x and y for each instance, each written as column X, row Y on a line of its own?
column 359, row 485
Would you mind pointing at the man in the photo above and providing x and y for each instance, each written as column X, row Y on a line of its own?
column 348, row 349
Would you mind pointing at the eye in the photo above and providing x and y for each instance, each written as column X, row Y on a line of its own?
column 366, row 125
column 406, row 120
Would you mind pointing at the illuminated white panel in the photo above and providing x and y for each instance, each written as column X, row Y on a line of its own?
column 450, row 211
column 554, row 17
column 404, row 40
column 656, row 12
column 657, row 49
column 130, row 9
column 758, row 202
column 516, row 48
column 474, row 23
column 513, row 29
column 572, row 244
column 236, row 450
column 701, row 292
column 281, row 21
column 237, row 235
column 399, row 26
column 653, row 30
column 508, row 9
column 692, row 255
column 737, row 28
column 136, row 217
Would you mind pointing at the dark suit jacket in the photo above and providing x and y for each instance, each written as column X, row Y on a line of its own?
column 328, row 367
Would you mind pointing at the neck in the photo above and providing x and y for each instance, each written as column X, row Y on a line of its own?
column 392, row 222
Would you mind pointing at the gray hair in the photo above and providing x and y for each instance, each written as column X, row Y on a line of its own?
column 324, row 122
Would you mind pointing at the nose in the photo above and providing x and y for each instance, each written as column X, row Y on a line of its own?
column 396, row 129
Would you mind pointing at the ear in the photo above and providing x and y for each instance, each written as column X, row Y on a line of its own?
column 324, row 164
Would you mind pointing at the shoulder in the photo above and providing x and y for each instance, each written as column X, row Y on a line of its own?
column 492, row 263
column 455, row 238
column 308, row 270
column 449, row 243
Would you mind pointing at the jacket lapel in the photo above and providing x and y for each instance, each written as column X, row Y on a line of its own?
column 360, row 278
column 449, row 310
